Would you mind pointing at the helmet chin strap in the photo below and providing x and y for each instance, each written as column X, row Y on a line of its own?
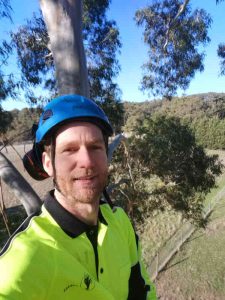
column 52, row 153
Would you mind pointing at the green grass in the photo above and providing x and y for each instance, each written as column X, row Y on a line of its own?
column 198, row 269
column 158, row 230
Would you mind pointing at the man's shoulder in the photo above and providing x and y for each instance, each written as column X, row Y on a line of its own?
column 28, row 235
column 27, row 255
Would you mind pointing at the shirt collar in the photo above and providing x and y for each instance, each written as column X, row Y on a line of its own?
column 70, row 224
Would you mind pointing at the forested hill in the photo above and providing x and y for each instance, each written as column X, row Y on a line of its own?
column 191, row 107
column 204, row 113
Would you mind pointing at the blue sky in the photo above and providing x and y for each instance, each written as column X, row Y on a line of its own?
column 134, row 52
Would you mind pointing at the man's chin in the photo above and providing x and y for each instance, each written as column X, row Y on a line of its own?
column 87, row 196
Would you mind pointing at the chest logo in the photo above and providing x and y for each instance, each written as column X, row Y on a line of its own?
column 87, row 283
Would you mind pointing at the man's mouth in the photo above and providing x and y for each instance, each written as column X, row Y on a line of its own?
column 85, row 178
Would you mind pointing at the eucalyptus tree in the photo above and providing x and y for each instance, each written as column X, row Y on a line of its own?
column 173, row 33
column 44, row 51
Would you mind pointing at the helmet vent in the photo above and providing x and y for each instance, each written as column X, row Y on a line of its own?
column 47, row 114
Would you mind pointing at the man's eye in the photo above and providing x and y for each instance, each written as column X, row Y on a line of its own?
column 69, row 150
column 97, row 147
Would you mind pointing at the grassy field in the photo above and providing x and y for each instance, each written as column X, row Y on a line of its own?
column 198, row 269
column 158, row 230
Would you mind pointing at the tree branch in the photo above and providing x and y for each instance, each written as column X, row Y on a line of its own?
column 171, row 23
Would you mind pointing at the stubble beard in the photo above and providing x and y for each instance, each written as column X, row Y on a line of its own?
column 73, row 194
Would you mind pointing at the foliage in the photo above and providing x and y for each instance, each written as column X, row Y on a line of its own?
column 7, row 83
column 173, row 41
column 21, row 121
column 34, row 57
column 5, row 121
column 5, row 9
column 210, row 132
column 203, row 113
column 221, row 54
column 101, row 42
column 163, row 166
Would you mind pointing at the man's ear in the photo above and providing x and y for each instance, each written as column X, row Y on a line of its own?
column 47, row 164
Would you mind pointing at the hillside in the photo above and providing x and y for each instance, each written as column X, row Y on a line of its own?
column 203, row 113
column 186, row 106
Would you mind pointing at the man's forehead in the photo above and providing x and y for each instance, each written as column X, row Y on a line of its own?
column 79, row 127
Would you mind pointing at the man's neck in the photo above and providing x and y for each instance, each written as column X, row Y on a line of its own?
column 86, row 212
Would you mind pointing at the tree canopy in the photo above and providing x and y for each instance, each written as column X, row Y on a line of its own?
column 7, row 84
column 6, row 80
column 173, row 33
column 161, row 166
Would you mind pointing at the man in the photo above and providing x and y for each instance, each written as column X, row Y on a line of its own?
column 77, row 246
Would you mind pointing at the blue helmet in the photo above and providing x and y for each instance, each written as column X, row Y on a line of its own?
column 59, row 111
column 71, row 107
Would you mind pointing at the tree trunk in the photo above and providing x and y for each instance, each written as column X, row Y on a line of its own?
column 20, row 187
column 63, row 20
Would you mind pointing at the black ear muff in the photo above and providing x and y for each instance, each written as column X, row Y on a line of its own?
column 32, row 163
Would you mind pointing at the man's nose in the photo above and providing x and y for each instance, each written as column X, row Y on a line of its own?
column 85, row 158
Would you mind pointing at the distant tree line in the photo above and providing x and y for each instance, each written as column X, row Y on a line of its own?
column 204, row 114
column 21, row 122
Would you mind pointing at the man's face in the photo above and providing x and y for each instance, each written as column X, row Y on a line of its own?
column 80, row 162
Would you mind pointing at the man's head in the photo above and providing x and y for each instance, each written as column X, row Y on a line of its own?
column 79, row 166
column 60, row 112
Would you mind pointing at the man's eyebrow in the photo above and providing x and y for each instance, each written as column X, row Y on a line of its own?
column 96, row 141
column 89, row 142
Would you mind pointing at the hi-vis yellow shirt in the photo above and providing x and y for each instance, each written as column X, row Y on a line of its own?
column 56, row 256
